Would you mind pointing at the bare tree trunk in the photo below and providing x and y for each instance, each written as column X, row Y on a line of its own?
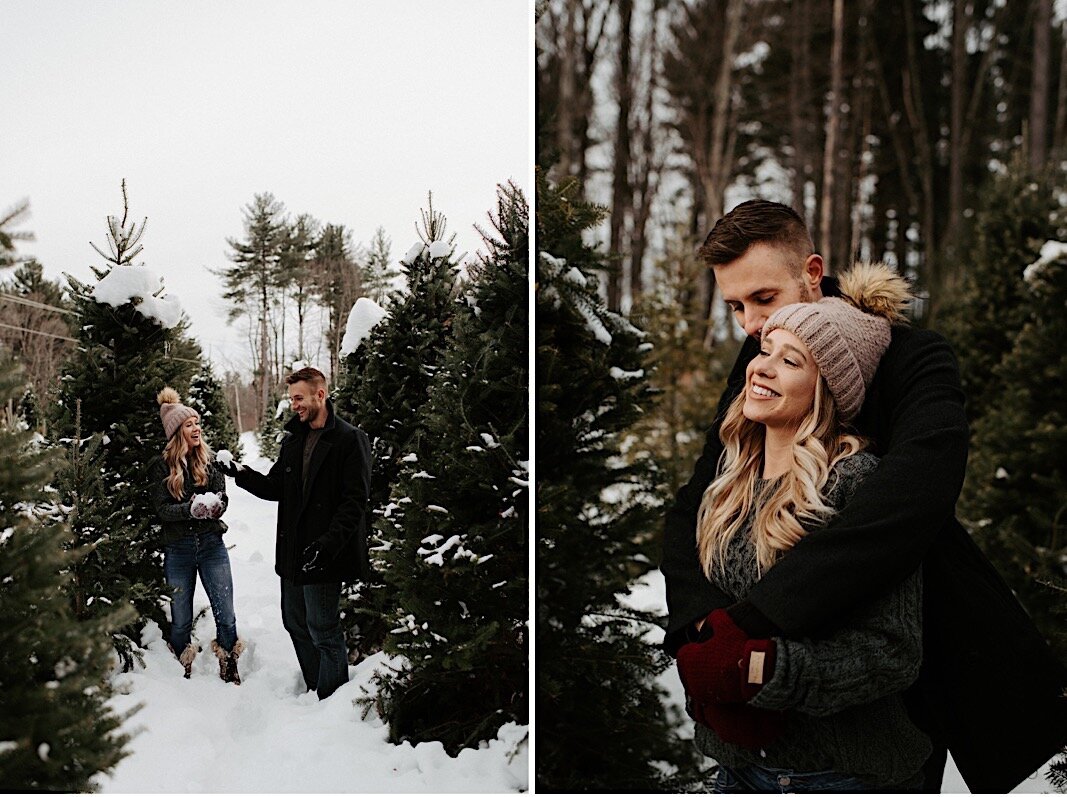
column 622, row 196
column 960, row 30
column 833, row 126
column 799, row 96
column 719, row 156
column 568, row 90
column 1059, row 135
column 1039, row 86
column 646, row 178
column 917, row 119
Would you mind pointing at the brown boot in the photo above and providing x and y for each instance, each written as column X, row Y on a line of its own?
column 186, row 658
column 228, row 662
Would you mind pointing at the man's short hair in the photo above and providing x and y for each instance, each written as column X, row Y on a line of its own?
column 753, row 222
column 313, row 376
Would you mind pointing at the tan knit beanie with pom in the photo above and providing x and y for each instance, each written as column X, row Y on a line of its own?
column 848, row 336
column 172, row 412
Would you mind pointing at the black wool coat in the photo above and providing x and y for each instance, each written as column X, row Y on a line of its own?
column 990, row 688
column 334, row 513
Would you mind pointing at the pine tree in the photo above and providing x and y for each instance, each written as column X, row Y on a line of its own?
column 56, row 731
column 10, row 236
column 458, row 559
column 272, row 427
column 378, row 273
column 337, row 283
column 384, row 383
column 125, row 355
column 253, row 278
column 1015, row 497
column 1018, row 213
column 602, row 725
column 206, row 396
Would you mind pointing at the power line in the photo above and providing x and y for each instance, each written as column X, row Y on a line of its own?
column 37, row 332
column 36, row 305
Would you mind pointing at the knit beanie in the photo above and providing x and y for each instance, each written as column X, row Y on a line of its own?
column 172, row 412
column 848, row 336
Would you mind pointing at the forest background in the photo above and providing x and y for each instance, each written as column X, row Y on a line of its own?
column 930, row 134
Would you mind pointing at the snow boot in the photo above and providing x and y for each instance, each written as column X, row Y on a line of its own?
column 186, row 658
column 228, row 661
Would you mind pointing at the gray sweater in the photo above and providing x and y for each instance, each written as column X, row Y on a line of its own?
column 842, row 692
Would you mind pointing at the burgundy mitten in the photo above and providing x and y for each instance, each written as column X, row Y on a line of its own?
column 741, row 724
column 729, row 667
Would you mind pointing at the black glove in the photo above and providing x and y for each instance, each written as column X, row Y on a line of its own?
column 314, row 560
column 229, row 468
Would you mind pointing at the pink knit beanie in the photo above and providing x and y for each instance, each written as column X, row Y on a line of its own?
column 172, row 412
column 848, row 336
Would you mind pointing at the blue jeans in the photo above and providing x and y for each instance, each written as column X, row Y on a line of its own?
column 767, row 780
column 205, row 554
column 311, row 615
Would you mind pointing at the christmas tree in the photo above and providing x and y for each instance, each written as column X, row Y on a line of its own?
column 385, row 381
column 601, row 722
column 206, row 396
column 1018, row 213
column 458, row 517
column 1015, row 497
column 131, row 344
column 272, row 427
column 56, row 731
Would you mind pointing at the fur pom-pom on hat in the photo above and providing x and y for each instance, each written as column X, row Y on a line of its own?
column 172, row 412
column 848, row 336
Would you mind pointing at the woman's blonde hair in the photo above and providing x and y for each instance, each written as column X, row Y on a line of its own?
column 176, row 452
column 795, row 501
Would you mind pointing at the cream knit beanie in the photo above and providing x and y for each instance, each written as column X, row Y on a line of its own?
column 172, row 412
column 848, row 336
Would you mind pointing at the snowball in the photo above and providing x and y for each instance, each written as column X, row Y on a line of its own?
column 365, row 315
column 208, row 500
column 223, row 457
column 439, row 249
column 123, row 284
column 413, row 253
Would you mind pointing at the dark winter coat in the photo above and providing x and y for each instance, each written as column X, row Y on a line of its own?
column 334, row 512
column 174, row 513
column 990, row 688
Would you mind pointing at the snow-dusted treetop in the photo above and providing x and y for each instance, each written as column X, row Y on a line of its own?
column 413, row 253
column 124, row 284
column 439, row 249
column 364, row 316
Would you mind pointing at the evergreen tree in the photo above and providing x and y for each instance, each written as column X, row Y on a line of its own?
column 378, row 273
column 206, row 396
column 458, row 517
column 602, row 725
column 253, row 278
column 272, row 427
column 1015, row 496
column 384, row 383
column 1018, row 213
column 56, row 731
column 125, row 355
column 9, row 236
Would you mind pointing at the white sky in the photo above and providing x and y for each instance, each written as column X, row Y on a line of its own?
column 350, row 111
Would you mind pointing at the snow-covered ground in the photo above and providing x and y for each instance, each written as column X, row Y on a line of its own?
column 649, row 594
column 267, row 735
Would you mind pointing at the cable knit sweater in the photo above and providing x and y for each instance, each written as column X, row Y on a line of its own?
column 841, row 692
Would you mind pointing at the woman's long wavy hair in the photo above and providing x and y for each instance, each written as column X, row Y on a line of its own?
column 178, row 452
column 794, row 502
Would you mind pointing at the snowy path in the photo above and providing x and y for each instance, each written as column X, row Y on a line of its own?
column 650, row 594
column 268, row 735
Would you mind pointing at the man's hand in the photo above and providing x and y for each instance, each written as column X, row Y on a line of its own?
column 228, row 466
column 728, row 667
column 314, row 560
